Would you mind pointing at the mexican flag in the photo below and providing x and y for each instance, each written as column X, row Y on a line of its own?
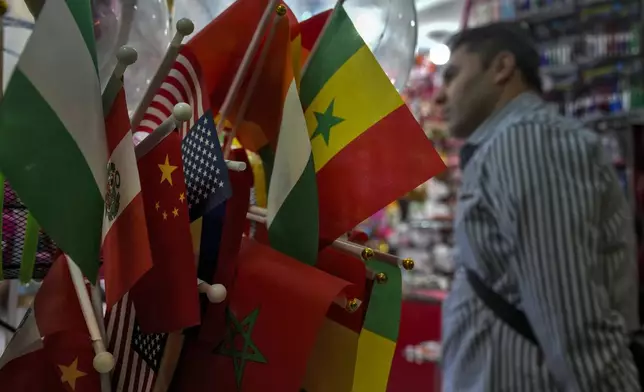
column 292, row 217
column 53, row 149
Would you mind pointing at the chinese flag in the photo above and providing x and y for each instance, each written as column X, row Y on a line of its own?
column 166, row 298
column 274, row 315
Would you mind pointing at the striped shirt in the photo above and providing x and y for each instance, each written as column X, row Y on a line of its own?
column 542, row 219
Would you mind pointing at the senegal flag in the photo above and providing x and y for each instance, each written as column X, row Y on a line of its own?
column 377, row 341
column 367, row 147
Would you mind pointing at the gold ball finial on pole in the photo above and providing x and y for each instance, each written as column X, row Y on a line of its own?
column 381, row 278
column 367, row 253
column 280, row 10
column 352, row 305
column 408, row 264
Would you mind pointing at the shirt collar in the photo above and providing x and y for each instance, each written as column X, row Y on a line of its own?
column 523, row 102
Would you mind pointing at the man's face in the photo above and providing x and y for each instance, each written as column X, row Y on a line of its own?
column 468, row 94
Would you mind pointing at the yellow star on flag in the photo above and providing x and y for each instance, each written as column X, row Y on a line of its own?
column 182, row 197
column 166, row 170
column 175, row 212
column 165, row 215
column 157, row 206
column 71, row 374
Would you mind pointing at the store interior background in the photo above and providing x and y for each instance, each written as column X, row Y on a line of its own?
column 591, row 67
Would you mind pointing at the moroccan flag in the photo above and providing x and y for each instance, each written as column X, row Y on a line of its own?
column 54, row 148
column 52, row 342
column 276, row 309
column 126, row 249
column 379, row 334
column 166, row 298
column 292, row 217
column 358, row 126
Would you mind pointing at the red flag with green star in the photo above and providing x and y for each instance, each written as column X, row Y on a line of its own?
column 276, row 309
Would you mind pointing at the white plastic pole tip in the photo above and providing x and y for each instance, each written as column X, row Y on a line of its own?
column 236, row 166
column 182, row 112
column 103, row 362
column 216, row 293
column 185, row 26
column 127, row 55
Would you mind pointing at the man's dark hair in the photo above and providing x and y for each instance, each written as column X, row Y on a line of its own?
column 488, row 41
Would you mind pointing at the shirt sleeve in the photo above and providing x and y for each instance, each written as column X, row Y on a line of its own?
column 557, row 195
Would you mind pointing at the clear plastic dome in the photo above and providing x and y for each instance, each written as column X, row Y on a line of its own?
column 387, row 26
column 144, row 25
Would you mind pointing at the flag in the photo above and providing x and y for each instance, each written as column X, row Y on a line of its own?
column 379, row 334
column 358, row 126
column 310, row 31
column 52, row 342
column 217, row 264
column 273, row 317
column 166, row 297
column 292, row 216
column 183, row 84
column 126, row 245
column 336, row 346
column 54, row 149
column 204, row 168
column 143, row 362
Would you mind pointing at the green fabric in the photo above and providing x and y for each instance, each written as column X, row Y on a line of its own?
column 29, row 249
column 109, row 95
column 338, row 43
column 81, row 10
column 267, row 155
column 50, row 174
column 383, row 313
column 295, row 228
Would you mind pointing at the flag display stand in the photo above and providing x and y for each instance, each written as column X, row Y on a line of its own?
column 204, row 289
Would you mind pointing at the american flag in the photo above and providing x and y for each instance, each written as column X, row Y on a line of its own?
column 181, row 85
column 204, row 168
column 138, row 355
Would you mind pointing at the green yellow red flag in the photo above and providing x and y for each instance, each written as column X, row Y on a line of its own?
column 367, row 147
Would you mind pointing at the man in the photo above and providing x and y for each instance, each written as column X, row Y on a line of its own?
column 541, row 219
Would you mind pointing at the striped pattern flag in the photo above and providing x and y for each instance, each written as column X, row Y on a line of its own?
column 379, row 334
column 292, row 217
column 181, row 85
column 142, row 360
column 358, row 125
column 54, row 148
column 126, row 250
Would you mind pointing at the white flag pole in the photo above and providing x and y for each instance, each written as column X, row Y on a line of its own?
column 254, row 78
column 103, row 360
column 184, row 28
column 180, row 113
column 243, row 67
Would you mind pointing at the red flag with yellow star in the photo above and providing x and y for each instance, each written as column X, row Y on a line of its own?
column 166, row 298
column 52, row 350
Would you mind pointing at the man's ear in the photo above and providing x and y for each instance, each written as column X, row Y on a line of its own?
column 503, row 66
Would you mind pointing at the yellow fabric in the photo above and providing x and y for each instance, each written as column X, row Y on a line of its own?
column 296, row 55
column 331, row 365
column 362, row 96
column 195, row 231
column 375, row 354
column 259, row 178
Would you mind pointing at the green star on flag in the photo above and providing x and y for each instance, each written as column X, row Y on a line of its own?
column 326, row 121
column 249, row 351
